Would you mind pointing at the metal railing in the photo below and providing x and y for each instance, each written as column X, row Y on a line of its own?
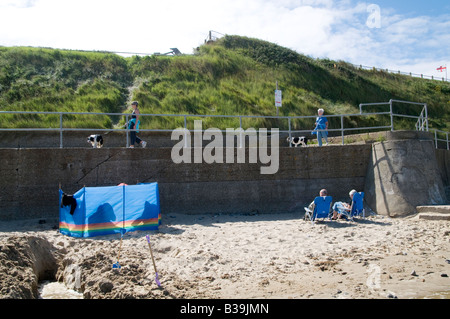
column 437, row 139
column 416, row 75
column 422, row 122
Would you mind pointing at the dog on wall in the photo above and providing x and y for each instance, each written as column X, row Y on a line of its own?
column 95, row 140
column 298, row 141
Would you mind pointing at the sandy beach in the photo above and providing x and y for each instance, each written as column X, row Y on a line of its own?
column 223, row 256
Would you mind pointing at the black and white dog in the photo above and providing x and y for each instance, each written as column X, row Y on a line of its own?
column 69, row 200
column 95, row 140
column 296, row 141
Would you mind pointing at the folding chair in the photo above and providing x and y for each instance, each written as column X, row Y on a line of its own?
column 322, row 205
column 357, row 205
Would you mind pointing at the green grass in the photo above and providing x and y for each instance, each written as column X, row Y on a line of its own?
column 233, row 76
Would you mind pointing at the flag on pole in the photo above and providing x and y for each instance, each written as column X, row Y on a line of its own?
column 441, row 68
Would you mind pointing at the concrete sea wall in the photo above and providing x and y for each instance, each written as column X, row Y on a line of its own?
column 30, row 177
column 404, row 172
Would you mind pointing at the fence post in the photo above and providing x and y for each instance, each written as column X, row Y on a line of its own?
column 128, row 140
column 435, row 138
column 448, row 146
column 185, row 132
column 60, row 130
column 392, row 116
column 290, row 134
column 426, row 115
column 240, row 132
column 342, row 128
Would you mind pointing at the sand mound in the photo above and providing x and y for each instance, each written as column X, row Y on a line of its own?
column 24, row 260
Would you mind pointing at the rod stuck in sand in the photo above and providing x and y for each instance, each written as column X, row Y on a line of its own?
column 153, row 259
column 117, row 264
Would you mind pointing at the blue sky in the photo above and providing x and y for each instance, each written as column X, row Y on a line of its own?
column 411, row 36
column 413, row 8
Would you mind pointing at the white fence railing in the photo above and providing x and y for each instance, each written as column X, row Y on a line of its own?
column 416, row 75
column 422, row 122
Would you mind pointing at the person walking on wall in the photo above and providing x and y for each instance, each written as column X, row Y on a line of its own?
column 321, row 127
column 133, row 124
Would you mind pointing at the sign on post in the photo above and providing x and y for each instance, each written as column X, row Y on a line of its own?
column 278, row 98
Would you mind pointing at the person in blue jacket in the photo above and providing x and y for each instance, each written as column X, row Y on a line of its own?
column 321, row 127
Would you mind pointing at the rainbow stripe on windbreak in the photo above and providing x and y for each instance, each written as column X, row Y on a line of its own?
column 111, row 210
column 109, row 228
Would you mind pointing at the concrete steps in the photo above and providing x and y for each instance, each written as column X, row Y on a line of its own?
column 434, row 212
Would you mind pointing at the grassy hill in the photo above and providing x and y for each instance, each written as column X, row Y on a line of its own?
column 233, row 76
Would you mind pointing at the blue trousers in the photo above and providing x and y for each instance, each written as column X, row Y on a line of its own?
column 320, row 135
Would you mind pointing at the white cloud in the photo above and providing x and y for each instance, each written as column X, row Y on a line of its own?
column 318, row 28
column 17, row 3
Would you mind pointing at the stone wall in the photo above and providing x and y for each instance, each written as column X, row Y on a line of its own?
column 403, row 173
column 30, row 178
column 397, row 175
column 443, row 162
